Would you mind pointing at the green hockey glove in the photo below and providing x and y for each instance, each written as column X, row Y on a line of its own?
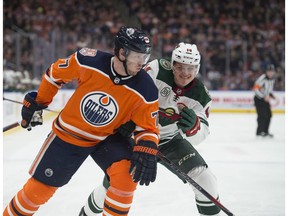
column 189, row 123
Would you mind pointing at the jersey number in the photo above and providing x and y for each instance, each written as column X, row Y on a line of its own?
column 155, row 115
column 64, row 65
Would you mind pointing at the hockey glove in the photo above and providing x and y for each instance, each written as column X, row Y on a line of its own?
column 31, row 111
column 127, row 129
column 144, row 163
column 189, row 123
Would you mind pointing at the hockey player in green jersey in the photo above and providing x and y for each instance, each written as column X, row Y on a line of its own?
column 184, row 104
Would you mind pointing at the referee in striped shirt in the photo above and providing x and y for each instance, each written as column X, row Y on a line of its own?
column 263, row 88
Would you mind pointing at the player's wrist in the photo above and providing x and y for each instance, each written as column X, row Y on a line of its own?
column 147, row 147
column 194, row 129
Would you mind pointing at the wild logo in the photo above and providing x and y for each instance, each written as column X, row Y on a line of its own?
column 167, row 116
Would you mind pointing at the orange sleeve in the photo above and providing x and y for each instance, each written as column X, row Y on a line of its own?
column 60, row 72
column 146, row 117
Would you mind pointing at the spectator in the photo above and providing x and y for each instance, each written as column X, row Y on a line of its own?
column 230, row 41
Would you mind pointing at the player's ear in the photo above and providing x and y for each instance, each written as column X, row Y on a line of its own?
column 121, row 54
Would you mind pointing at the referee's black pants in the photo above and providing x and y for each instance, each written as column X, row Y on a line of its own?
column 264, row 115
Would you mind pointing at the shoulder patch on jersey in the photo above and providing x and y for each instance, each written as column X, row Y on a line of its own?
column 165, row 64
column 88, row 52
column 165, row 91
column 98, row 108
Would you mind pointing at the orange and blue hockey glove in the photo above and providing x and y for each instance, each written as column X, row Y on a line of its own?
column 127, row 129
column 144, row 162
column 31, row 111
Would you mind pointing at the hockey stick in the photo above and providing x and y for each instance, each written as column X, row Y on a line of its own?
column 16, row 124
column 18, row 102
column 11, row 126
column 193, row 183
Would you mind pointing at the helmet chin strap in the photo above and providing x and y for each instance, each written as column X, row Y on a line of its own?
column 125, row 66
column 124, row 62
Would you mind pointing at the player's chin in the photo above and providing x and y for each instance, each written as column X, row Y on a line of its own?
column 138, row 68
column 185, row 82
column 134, row 72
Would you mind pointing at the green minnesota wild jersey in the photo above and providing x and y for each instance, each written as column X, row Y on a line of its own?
column 173, row 98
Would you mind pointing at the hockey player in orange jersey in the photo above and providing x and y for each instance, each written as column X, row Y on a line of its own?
column 181, row 93
column 111, row 90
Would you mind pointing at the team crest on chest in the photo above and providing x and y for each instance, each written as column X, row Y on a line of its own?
column 98, row 108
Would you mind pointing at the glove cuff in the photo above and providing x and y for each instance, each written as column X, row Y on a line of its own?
column 147, row 147
column 194, row 129
column 30, row 102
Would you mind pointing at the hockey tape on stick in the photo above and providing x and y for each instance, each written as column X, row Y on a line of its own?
column 193, row 183
column 11, row 126
column 18, row 102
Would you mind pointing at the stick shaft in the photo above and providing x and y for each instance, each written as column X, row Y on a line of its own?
column 192, row 182
column 18, row 102
column 11, row 126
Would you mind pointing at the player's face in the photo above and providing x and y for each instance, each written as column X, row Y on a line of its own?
column 184, row 73
column 135, row 62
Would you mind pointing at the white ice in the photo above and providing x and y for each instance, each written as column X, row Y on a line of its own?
column 250, row 172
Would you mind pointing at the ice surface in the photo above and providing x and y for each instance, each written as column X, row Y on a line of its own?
column 250, row 172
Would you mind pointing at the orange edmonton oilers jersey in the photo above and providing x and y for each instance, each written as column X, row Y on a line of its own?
column 102, row 101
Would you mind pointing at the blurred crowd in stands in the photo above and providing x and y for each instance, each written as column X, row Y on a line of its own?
column 236, row 38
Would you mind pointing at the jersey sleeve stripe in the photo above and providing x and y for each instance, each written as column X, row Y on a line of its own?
column 51, row 81
column 145, row 134
column 202, row 120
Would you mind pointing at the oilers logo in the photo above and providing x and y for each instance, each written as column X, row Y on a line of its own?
column 99, row 108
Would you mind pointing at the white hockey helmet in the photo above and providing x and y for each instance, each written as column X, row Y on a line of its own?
column 187, row 54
